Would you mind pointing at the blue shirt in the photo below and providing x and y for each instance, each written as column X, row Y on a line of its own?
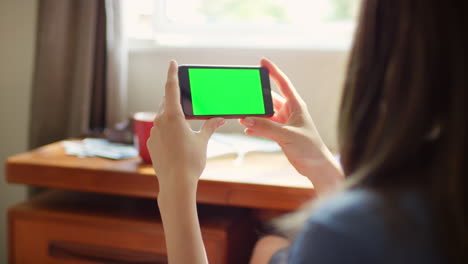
column 360, row 226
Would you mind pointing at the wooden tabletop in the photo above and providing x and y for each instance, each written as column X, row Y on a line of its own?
column 265, row 181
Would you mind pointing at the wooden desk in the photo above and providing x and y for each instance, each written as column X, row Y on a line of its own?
column 68, row 227
column 61, row 227
column 265, row 181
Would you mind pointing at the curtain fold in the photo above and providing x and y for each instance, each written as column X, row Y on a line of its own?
column 80, row 72
column 97, row 115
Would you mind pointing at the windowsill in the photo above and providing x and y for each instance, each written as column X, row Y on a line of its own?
column 335, row 36
column 174, row 42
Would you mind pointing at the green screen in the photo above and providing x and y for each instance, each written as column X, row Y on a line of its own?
column 226, row 91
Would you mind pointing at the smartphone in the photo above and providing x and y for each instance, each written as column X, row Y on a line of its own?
column 225, row 91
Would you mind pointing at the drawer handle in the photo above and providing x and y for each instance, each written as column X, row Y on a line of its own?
column 77, row 251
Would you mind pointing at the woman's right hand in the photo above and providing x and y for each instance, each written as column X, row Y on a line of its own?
column 294, row 130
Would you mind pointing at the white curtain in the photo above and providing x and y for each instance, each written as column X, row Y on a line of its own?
column 117, row 59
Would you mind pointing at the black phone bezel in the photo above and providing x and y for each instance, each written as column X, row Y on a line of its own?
column 186, row 96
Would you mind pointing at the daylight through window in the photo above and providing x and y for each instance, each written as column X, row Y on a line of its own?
column 240, row 22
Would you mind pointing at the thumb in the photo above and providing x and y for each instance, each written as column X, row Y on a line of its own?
column 210, row 126
column 264, row 127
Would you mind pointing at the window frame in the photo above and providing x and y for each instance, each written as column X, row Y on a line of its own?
column 283, row 36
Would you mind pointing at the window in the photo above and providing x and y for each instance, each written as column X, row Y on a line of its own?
column 240, row 23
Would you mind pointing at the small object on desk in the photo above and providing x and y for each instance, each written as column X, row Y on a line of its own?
column 98, row 147
column 121, row 132
column 142, row 124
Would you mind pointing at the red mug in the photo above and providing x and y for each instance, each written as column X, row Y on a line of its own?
column 142, row 124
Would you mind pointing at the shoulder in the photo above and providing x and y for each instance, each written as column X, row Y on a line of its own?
column 351, row 205
column 358, row 226
column 346, row 227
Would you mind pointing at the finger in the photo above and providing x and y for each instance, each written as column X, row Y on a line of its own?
column 278, row 118
column 278, row 101
column 162, row 105
column 252, row 132
column 264, row 127
column 278, row 96
column 172, row 92
column 274, row 118
column 210, row 126
column 282, row 81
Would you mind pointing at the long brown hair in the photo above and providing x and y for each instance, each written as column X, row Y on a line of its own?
column 403, row 117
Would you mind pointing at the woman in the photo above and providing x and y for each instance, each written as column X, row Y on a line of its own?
column 403, row 141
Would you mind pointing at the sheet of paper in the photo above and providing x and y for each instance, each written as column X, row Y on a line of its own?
column 238, row 145
column 98, row 147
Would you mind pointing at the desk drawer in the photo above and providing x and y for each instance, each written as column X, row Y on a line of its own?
column 59, row 227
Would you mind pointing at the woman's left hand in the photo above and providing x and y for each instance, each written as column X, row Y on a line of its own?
column 178, row 153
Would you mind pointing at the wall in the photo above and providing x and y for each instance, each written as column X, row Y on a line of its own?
column 317, row 75
column 17, row 41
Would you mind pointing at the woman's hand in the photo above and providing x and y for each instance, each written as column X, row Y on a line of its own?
column 178, row 153
column 293, row 129
column 179, row 158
